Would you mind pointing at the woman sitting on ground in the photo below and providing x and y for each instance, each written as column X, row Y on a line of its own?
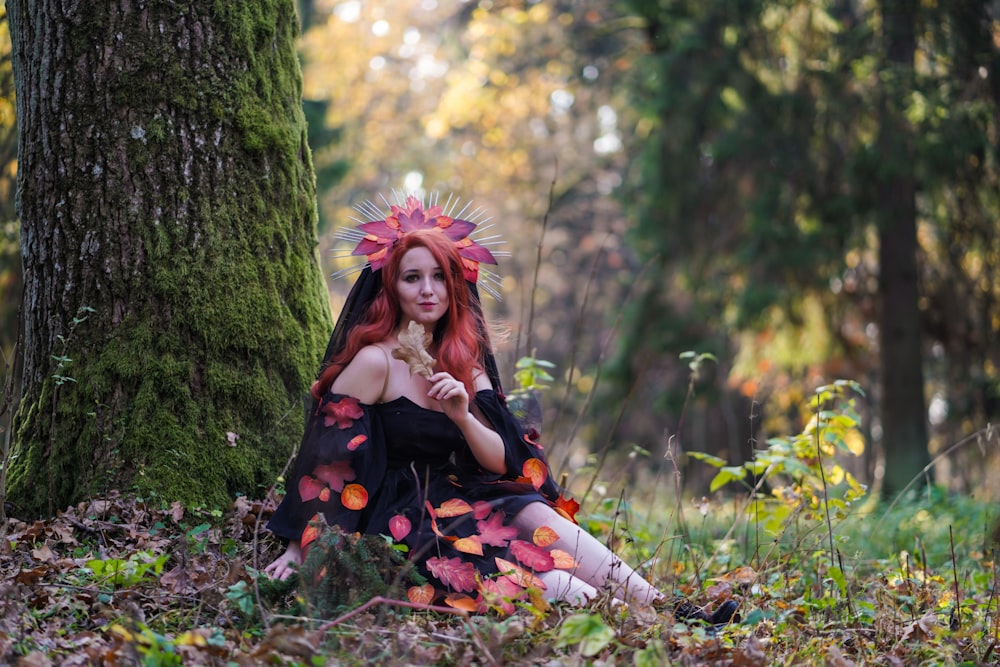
column 437, row 461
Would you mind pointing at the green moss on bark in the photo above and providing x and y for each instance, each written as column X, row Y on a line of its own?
column 210, row 309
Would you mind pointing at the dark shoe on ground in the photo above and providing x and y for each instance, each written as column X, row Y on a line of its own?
column 687, row 612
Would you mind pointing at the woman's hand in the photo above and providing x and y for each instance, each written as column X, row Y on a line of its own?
column 486, row 444
column 287, row 563
column 452, row 395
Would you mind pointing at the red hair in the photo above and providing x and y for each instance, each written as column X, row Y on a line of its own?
column 459, row 338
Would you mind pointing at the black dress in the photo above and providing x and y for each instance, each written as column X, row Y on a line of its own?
column 401, row 470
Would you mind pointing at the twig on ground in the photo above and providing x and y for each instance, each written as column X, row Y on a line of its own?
column 957, row 624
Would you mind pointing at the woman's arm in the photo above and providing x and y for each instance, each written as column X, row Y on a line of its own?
column 486, row 444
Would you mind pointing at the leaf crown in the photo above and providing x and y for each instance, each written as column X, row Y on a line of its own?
column 378, row 234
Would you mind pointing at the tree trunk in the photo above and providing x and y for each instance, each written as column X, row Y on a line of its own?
column 175, row 311
column 904, row 427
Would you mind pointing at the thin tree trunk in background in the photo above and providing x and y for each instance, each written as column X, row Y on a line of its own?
column 903, row 412
column 174, row 309
column 307, row 11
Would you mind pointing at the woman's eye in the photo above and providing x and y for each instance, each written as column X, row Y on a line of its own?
column 410, row 278
column 439, row 276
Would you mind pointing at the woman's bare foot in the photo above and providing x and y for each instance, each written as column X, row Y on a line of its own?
column 285, row 564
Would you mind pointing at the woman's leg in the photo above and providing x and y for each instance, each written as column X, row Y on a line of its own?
column 597, row 566
column 562, row 586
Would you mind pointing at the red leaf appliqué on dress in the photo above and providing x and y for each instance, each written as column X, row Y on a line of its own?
column 532, row 557
column 493, row 532
column 335, row 474
column 567, row 507
column 481, row 509
column 310, row 488
column 453, row 572
column 342, row 412
column 500, row 594
column 400, row 527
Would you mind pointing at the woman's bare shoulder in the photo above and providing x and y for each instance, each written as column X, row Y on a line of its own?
column 364, row 375
column 481, row 380
column 371, row 355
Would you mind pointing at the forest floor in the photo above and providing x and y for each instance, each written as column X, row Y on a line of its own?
column 121, row 581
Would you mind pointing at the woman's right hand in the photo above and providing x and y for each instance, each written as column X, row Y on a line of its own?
column 287, row 563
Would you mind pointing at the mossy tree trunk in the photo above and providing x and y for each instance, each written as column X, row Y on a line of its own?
column 172, row 289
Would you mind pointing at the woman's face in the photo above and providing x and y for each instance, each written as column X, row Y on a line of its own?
column 423, row 292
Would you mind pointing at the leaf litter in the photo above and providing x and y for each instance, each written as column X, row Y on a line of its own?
column 123, row 581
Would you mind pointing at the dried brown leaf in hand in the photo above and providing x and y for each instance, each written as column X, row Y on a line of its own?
column 413, row 350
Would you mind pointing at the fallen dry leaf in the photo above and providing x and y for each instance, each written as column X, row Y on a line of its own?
column 834, row 658
column 920, row 629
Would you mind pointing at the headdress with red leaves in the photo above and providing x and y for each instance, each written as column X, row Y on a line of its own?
column 376, row 236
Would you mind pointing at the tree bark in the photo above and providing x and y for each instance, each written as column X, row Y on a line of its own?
column 172, row 294
column 903, row 412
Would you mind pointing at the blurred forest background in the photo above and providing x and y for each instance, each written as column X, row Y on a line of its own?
column 703, row 175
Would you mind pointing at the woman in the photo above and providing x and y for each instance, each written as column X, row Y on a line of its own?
column 437, row 462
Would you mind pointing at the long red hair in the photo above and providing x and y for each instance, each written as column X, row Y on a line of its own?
column 459, row 338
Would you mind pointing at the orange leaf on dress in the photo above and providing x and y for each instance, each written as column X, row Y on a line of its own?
column 453, row 507
column 535, row 470
column 356, row 442
column 469, row 545
column 544, row 536
column 517, row 574
column 311, row 532
column 420, row 594
column 354, row 497
column 434, row 525
column 463, row 602
column 563, row 560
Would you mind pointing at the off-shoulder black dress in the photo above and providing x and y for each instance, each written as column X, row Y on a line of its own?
column 401, row 470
